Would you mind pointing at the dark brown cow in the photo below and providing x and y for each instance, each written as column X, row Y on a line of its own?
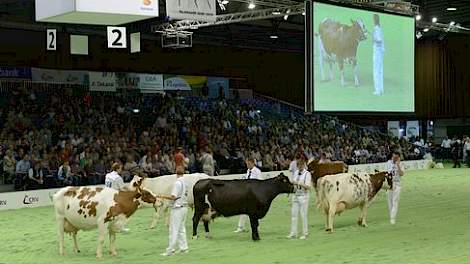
column 319, row 170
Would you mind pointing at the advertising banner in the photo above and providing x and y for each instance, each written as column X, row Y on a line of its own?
column 102, row 81
column 218, row 87
column 184, row 83
column 129, row 81
column 151, row 83
column 59, row 76
column 412, row 129
column 200, row 10
column 15, row 73
column 407, row 165
column 394, row 128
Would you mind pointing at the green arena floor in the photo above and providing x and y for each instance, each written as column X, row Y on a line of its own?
column 433, row 227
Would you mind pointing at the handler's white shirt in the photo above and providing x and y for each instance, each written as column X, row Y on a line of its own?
column 304, row 177
column 393, row 169
column 114, row 180
column 180, row 192
column 253, row 174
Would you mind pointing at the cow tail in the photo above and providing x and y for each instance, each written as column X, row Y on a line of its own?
column 322, row 201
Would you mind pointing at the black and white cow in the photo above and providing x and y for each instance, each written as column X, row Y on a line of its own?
column 237, row 197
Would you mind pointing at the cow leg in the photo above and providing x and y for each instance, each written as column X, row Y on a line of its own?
column 75, row 244
column 254, row 228
column 156, row 216
column 331, row 216
column 60, row 230
column 363, row 217
column 101, row 234
column 341, row 70
column 206, row 228
column 112, row 243
column 331, row 71
column 196, row 218
column 356, row 73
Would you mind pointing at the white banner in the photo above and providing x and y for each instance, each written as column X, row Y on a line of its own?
column 59, row 76
column 412, row 129
column 102, row 81
column 151, row 83
column 101, row 12
column 200, row 10
column 28, row 199
column 394, row 128
column 407, row 165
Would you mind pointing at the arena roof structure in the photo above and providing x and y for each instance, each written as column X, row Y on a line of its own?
column 271, row 24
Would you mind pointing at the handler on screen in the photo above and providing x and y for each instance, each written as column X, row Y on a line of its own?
column 379, row 50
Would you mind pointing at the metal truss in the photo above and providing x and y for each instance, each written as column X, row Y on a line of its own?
column 270, row 3
column 231, row 18
column 446, row 28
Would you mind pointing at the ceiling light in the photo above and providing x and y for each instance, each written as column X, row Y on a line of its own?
column 419, row 34
column 286, row 17
column 434, row 19
column 225, row 2
column 426, row 30
column 303, row 13
column 452, row 23
column 451, row 8
column 251, row 6
column 418, row 17
column 276, row 13
column 273, row 37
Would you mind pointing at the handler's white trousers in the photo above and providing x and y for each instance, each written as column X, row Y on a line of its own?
column 241, row 222
column 378, row 70
column 393, row 200
column 300, row 207
column 177, row 233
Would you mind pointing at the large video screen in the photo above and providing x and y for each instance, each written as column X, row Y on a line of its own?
column 363, row 60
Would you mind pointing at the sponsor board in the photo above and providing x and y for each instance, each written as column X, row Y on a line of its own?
column 407, row 165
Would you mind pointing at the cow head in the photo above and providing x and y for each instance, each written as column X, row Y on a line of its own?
column 142, row 193
column 360, row 29
column 382, row 176
column 284, row 183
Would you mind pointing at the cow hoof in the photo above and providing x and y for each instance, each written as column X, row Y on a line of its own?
column 113, row 254
column 208, row 236
column 194, row 237
column 76, row 251
column 99, row 256
column 364, row 225
column 329, row 231
column 152, row 227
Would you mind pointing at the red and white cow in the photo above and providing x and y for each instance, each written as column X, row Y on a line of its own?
column 86, row 208
column 339, row 192
column 163, row 186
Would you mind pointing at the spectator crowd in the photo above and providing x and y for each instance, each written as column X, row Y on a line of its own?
column 68, row 137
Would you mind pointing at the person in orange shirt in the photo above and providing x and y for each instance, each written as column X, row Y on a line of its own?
column 179, row 158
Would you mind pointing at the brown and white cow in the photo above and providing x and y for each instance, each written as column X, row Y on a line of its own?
column 86, row 208
column 339, row 192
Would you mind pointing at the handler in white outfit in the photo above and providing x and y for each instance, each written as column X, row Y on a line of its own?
column 253, row 173
column 179, row 210
column 379, row 50
column 302, row 181
column 394, row 167
column 113, row 179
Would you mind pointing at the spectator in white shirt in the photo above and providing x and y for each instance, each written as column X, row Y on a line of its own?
column 446, row 146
